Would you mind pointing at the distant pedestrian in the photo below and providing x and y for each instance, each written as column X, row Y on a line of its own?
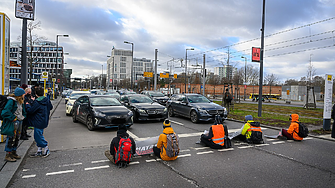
column 26, row 123
column 13, row 114
column 39, row 112
column 227, row 98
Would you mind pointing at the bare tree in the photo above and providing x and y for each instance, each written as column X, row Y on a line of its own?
column 271, row 80
column 291, row 82
column 311, row 71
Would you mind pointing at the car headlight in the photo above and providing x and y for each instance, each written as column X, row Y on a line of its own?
column 99, row 114
column 225, row 109
column 141, row 111
column 165, row 109
column 202, row 111
column 130, row 113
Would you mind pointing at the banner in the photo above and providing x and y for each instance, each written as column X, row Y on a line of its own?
column 256, row 54
column 144, row 147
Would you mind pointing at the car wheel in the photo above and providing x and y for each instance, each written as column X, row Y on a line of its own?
column 89, row 123
column 170, row 110
column 194, row 117
column 135, row 116
column 74, row 119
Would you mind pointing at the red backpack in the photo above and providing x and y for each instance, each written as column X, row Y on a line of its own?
column 124, row 152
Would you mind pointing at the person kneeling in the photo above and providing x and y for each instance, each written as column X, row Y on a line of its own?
column 122, row 148
column 168, row 143
column 217, row 135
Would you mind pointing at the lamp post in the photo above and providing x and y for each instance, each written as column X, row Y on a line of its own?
column 186, row 75
column 132, row 61
column 57, row 55
column 245, row 76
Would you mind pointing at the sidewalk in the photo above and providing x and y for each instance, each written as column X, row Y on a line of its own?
column 8, row 169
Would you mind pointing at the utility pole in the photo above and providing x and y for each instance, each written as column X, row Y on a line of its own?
column 155, row 75
column 204, row 76
column 261, row 65
column 24, row 67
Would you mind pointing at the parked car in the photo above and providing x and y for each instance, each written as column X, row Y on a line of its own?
column 67, row 95
column 96, row 92
column 73, row 97
column 194, row 106
column 144, row 108
column 113, row 94
column 157, row 97
column 97, row 111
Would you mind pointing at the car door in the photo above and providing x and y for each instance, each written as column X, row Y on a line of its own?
column 76, row 108
column 185, row 107
column 84, row 108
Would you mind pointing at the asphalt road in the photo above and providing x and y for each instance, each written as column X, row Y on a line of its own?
column 77, row 160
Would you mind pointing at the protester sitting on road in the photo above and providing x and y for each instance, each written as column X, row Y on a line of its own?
column 114, row 146
column 215, row 138
column 13, row 114
column 168, row 143
column 39, row 112
column 293, row 130
column 250, row 132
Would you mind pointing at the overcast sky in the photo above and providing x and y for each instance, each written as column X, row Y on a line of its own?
column 171, row 26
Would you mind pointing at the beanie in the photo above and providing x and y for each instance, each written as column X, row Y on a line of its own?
column 18, row 92
column 122, row 127
column 24, row 86
column 248, row 117
column 166, row 123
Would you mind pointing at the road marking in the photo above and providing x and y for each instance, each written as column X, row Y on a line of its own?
column 132, row 135
column 279, row 142
column 205, row 152
column 25, row 170
column 201, row 148
column 186, row 155
column 100, row 161
column 184, row 150
column 133, row 163
column 150, row 160
column 59, row 172
column 243, row 147
column 189, row 134
column 29, row 176
column 97, row 167
column 290, row 140
column 308, row 138
column 176, row 122
column 259, row 145
column 74, row 164
column 228, row 149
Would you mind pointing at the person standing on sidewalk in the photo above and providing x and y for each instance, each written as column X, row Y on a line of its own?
column 39, row 112
column 25, row 124
column 13, row 114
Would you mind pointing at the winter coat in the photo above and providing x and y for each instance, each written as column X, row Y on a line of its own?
column 247, row 126
column 333, row 113
column 39, row 112
column 116, row 140
column 162, row 143
column 8, row 113
column 294, row 127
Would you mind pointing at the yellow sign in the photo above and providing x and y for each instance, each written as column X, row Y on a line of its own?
column 175, row 76
column 44, row 74
column 329, row 78
column 288, row 92
column 148, row 74
column 164, row 75
column 54, row 80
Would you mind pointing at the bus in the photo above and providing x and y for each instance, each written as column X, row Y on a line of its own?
column 254, row 96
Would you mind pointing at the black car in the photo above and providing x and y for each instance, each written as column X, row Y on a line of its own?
column 101, row 111
column 144, row 108
column 158, row 97
column 194, row 106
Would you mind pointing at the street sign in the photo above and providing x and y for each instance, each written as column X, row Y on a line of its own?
column 110, row 80
column 148, row 74
column 44, row 75
column 164, row 75
column 175, row 76
column 288, row 92
column 54, row 80
column 25, row 9
column 245, row 86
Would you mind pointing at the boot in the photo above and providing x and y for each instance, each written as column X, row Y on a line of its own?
column 15, row 155
column 8, row 158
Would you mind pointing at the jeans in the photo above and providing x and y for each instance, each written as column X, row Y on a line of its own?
column 13, row 141
column 39, row 138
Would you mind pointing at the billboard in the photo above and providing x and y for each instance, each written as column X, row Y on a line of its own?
column 25, row 9
column 4, row 52
column 256, row 54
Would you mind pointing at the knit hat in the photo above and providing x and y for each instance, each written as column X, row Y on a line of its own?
column 248, row 117
column 24, row 86
column 18, row 92
column 166, row 123
column 122, row 127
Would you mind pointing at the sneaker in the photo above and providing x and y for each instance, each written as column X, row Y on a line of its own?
column 282, row 137
column 37, row 154
column 46, row 154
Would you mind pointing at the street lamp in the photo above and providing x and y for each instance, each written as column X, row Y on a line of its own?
column 132, row 61
column 57, row 54
column 186, row 67
column 245, row 76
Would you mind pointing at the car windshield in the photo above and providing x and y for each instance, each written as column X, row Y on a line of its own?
column 77, row 95
column 197, row 99
column 157, row 94
column 104, row 101
column 140, row 99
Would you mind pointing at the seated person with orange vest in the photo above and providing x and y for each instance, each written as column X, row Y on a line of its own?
column 251, row 131
column 215, row 137
column 292, row 132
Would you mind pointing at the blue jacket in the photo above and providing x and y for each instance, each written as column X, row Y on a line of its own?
column 39, row 112
column 8, row 113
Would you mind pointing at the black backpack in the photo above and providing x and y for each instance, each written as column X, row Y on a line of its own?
column 227, row 141
column 303, row 130
column 256, row 137
column 3, row 102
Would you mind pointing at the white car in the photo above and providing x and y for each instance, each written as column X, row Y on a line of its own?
column 73, row 97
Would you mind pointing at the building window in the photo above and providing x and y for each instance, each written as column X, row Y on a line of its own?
column 123, row 58
column 122, row 76
column 123, row 70
column 123, row 64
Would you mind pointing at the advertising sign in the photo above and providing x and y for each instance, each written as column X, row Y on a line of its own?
column 148, row 74
column 327, row 109
column 4, row 52
column 25, row 9
column 164, row 75
column 256, row 53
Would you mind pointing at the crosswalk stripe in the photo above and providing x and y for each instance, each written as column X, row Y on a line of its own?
column 29, row 176
column 279, row 142
column 186, row 155
column 59, row 172
column 205, row 152
column 97, row 167
column 228, row 149
column 243, row 147
column 178, row 123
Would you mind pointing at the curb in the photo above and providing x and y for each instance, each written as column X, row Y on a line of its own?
column 277, row 128
column 9, row 169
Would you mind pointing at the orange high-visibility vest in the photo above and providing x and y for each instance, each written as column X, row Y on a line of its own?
column 253, row 128
column 218, row 134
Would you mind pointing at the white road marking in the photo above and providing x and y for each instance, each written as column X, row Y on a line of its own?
column 133, row 163
column 205, row 152
column 100, row 161
column 29, row 176
column 290, row 140
column 74, row 164
column 189, row 135
column 150, row 160
column 186, row 155
column 228, row 149
column 259, row 145
column 97, row 167
column 59, row 172
column 132, row 135
column 176, row 122
column 308, row 138
column 279, row 142
column 201, row 148
column 244, row 147
column 25, row 170
column 184, row 150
